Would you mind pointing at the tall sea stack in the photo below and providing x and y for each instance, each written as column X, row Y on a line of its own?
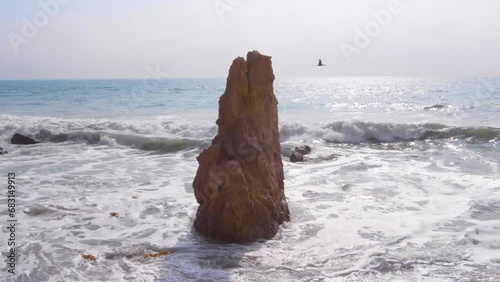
column 239, row 182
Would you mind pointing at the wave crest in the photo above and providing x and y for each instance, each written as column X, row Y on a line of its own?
column 368, row 132
column 164, row 135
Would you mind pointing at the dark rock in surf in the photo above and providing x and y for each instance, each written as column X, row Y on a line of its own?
column 435, row 107
column 19, row 139
column 2, row 152
column 296, row 157
column 298, row 154
column 303, row 150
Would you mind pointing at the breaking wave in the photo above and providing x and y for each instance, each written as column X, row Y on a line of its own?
column 168, row 136
column 367, row 132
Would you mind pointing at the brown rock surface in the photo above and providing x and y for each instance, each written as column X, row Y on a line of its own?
column 239, row 182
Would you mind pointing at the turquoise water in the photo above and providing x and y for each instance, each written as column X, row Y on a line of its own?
column 402, row 183
column 109, row 98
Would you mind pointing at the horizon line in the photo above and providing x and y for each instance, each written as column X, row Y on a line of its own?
column 284, row 77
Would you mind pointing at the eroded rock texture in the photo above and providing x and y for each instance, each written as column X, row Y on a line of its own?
column 239, row 182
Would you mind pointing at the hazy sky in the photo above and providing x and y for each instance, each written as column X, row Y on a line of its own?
column 200, row 38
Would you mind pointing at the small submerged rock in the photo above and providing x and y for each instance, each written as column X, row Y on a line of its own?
column 19, row 139
column 296, row 157
column 435, row 107
column 298, row 154
column 2, row 152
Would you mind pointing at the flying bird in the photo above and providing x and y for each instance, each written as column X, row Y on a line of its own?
column 320, row 63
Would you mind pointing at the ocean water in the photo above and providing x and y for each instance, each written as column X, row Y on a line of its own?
column 402, row 183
